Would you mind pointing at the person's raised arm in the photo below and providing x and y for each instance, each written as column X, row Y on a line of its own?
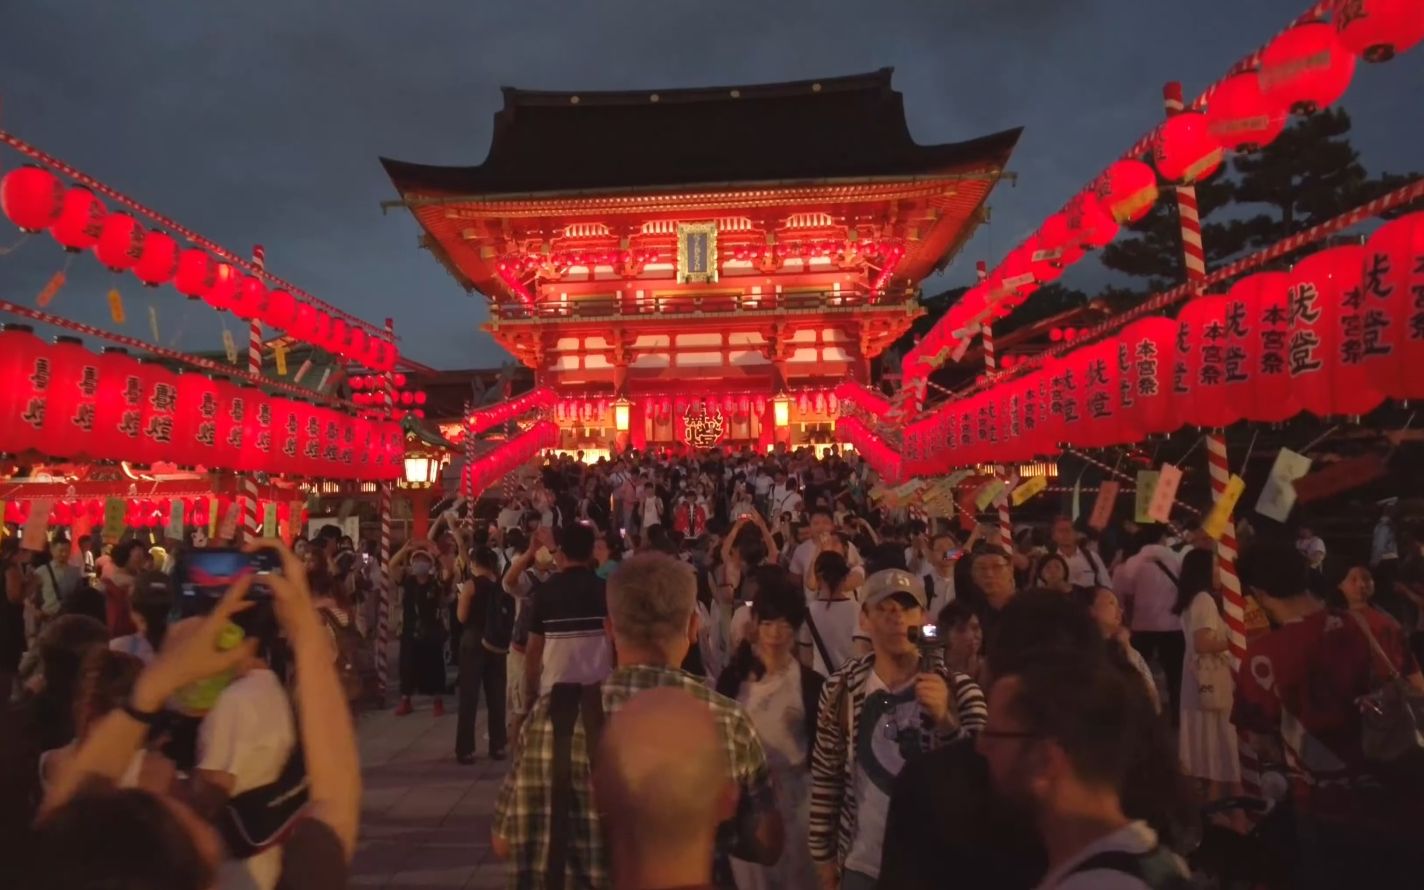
column 109, row 748
column 323, row 717
column 396, row 568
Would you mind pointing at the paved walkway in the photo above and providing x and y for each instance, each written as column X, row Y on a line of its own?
column 425, row 819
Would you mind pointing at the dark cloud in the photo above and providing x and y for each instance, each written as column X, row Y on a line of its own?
column 262, row 121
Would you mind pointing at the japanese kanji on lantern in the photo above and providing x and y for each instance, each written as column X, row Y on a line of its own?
column 195, row 434
column 25, row 374
column 159, row 408
column 118, row 420
column 73, row 399
column 1314, row 291
column 1392, row 283
column 235, row 403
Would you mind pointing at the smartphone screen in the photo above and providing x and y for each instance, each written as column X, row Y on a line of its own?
column 203, row 576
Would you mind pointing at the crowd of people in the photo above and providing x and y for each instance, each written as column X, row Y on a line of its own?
column 739, row 670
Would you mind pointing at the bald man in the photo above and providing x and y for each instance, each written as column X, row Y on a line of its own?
column 662, row 786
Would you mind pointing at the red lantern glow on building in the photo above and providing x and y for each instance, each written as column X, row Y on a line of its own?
column 1378, row 30
column 80, row 221
column 31, row 197
column 1241, row 117
column 159, row 260
column 1306, row 69
column 1184, row 149
column 120, row 242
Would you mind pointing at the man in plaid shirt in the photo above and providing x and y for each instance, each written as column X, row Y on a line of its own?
column 652, row 618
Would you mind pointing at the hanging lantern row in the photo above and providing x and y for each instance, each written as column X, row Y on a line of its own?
column 376, row 391
column 481, row 419
column 1306, row 68
column 739, row 405
column 63, row 401
column 35, row 200
column 883, row 459
column 633, row 262
column 863, row 399
column 560, row 261
column 146, row 512
column 487, row 469
column 1338, row 334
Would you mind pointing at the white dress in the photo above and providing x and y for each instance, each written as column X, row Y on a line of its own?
column 1206, row 740
column 779, row 715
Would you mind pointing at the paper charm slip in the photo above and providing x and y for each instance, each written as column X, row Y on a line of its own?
column 1278, row 496
column 115, row 512
column 1027, row 489
column 1164, row 494
column 228, row 529
column 175, row 521
column 280, row 351
column 230, row 347
column 1219, row 518
column 116, row 305
column 1146, row 483
column 213, row 517
column 988, row 492
column 269, row 520
column 1103, row 506
column 51, row 288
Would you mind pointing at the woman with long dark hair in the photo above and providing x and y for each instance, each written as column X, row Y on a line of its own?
column 1206, row 740
column 832, row 618
column 149, row 609
column 781, row 698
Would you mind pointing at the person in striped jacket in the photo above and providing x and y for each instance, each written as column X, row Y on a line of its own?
column 876, row 712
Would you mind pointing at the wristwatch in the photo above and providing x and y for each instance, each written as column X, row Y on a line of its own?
column 147, row 718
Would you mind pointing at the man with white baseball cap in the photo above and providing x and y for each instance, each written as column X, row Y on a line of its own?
column 876, row 712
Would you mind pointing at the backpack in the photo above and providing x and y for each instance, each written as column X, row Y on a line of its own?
column 355, row 664
column 499, row 621
column 1157, row 868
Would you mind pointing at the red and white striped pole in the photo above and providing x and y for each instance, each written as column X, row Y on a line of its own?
column 383, row 602
column 1232, row 600
column 251, row 524
column 991, row 370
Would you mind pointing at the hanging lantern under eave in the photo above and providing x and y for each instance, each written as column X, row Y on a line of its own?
column 1378, row 30
column 1393, row 273
column 1184, row 149
column 1305, row 68
column 1055, row 233
column 1151, row 348
column 1127, row 190
column 159, row 261
column 81, row 220
column 32, row 198
column 120, row 242
column 196, row 273
column 1240, row 117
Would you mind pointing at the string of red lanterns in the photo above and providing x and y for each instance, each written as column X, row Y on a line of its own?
column 482, row 419
column 1306, row 67
column 375, row 390
column 146, row 512
column 1337, row 335
column 886, row 462
column 36, row 199
column 65, row 402
column 864, row 399
column 487, row 469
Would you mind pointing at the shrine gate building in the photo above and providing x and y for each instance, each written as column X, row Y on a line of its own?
column 702, row 265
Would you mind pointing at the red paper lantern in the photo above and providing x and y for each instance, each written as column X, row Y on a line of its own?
column 159, row 260
column 72, row 408
column 31, row 197
column 235, row 402
column 337, row 340
column 1393, row 284
column 1315, row 289
column 120, row 242
column 26, row 371
column 309, row 439
column 280, row 310
column 223, row 291
column 197, row 273
column 250, row 298
column 1151, row 344
column 286, row 437
column 320, row 328
column 257, row 432
column 1102, row 424
column 1055, row 232
column 1377, row 30
column 1127, row 190
column 1184, row 149
column 360, row 343
column 1091, row 226
column 1306, row 69
column 119, row 413
column 1241, row 117
column 81, row 220
column 159, row 418
column 195, row 435
column 1270, row 397
column 1207, row 405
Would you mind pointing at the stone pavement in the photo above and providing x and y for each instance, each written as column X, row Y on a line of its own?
column 425, row 819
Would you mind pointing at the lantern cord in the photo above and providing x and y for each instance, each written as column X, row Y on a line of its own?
column 1320, row 438
column 1246, row 461
column 172, row 354
column 6, row 251
column 1183, row 459
column 36, row 154
column 1401, row 196
column 1408, row 422
column 1123, row 476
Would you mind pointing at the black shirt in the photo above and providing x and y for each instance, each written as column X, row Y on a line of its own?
column 945, row 829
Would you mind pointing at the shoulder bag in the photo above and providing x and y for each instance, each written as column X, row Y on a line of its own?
column 1391, row 714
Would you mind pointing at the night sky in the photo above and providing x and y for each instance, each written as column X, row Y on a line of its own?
column 261, row 121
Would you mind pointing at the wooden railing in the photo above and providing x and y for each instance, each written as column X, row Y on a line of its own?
column 698, row 304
